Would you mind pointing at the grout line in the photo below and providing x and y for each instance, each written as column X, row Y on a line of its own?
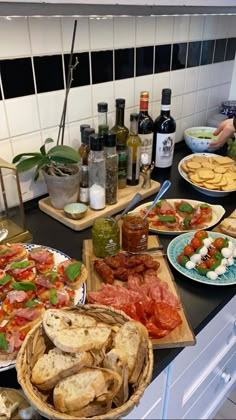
column 231, row 401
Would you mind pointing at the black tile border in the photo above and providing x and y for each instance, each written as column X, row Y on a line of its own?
column 143, row 61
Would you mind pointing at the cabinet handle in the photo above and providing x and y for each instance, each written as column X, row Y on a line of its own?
column 226, row 377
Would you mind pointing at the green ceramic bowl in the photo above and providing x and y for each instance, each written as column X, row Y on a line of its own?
column 75, row 210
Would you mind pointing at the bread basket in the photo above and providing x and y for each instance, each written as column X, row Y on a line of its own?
column 35, row 344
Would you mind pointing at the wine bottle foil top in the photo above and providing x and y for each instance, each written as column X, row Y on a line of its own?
column 110, row 139
column 144, row 96
column 120, row 103
column 83, row 126
column 134, row 116
column 166, row 95
column 102, row 107
column 96, row 142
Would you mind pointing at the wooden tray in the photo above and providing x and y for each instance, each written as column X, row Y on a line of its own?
column 124, row 197
column 182, row 335
column 217, row 227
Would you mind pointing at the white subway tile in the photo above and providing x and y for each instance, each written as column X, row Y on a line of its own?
column 103, row 92
column 181, row 28
column 45, row 35
column 204, row 80
column 189, row 102
column 155, row 109
column 202, row 100
column 164, row 29
column 231, row 26
column 27, row 143
column 160, row 81
column 101, row 33
column 224, row 91
column 53, row 134
column 6, row 150
column 191, row 79
column 210, row 27
column 227, row 73
column 14, row 37
column 79, row 103
column 125, row 89
column 216, row 73
column 178, row 133
column 177, row 79
column 196, row 28
column 50, row 107
column 222, row 27
column 145, row 30
column 143, row 83
column 176, row 106
column 211, row 111
column 3, row 124
column 82, row 34
column 25, row 121
column 186, row 122
column 213, row 100
column 124, row 32
column 199, row 119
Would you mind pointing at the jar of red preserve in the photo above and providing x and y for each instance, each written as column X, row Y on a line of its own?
column 134, row 233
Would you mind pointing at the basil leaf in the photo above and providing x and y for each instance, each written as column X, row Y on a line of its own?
column 53, row 296
column 20, row 264
column 23, row 285
column 186, row 207
column 73, row 270
column 204, row 206
column 4, row 250
column 167, row 218
column 5, row 279
column 159, row 203
column 186, row 222
column 30, row 303
column 52, row 276
column 3, row 341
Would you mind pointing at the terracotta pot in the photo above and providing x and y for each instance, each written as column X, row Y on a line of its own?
column 62, row 190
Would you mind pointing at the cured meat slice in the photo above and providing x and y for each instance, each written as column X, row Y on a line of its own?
column 115, row 261
column 170, row 298
column 28, row 313
column 166, row 316
column 104, row 271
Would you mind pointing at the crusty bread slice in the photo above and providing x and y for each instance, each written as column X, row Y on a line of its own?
column 55, row 365
column 116, row 360
column 88, row 385
column 228, row 226
column 55, row 320
column 82, row 339
column 92, row 409
column 132, row 339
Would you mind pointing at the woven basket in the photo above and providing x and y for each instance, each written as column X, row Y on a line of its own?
column 35, row 344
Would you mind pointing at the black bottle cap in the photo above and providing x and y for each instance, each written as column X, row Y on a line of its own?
column 120, row 103
column 87, row 132
column 102, row 107
column 83, row 126
column 133, row 116
column 96, row 142
column 110, row 139
column 166, row 95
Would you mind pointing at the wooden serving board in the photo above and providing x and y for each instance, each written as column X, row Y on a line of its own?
column 182, row 335
column 125, row 195
column 217, row 227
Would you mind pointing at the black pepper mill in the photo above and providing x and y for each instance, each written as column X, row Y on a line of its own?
column 111, row 158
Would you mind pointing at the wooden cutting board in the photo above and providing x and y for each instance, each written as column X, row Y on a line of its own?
column 217, row 227
column 182, row 335
column 125, row 195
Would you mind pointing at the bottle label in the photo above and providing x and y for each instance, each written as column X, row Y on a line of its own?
column 133, row 167
column 84, row 195
column 147, row 141
column 164, row 149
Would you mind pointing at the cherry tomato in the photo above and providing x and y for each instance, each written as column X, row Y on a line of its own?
column 188, row 250
column 210, row 261
column 201, row 234
column 219, row 243
column 196, row 242
column 212, row 250
column 202, row 268
column 20, row 321
column 182, row 259
column 170, row 212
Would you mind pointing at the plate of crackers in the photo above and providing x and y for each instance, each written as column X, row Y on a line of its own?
column 209, row 173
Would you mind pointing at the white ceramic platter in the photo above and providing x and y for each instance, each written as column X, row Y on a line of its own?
column 217, row 213
column 79, row 295
column 206, row 191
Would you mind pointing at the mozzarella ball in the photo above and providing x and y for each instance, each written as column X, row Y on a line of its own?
column 230, row 261
column 224, row 261
column 230, row 245
column 203, row 251
column 207, row 242
column 190, row 265
column 221, row 269
column 226, row 252
column 234, row 253
column 211, row 275
column 196, row 258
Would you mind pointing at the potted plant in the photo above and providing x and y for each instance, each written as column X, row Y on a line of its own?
column 59, row 170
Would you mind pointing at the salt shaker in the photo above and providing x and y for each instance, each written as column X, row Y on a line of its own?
column 97, row 173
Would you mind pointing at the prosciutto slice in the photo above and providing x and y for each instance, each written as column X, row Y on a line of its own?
column 40, row 255
column 17, row 296
column 28, row 313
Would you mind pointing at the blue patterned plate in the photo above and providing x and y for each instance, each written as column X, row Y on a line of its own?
column 175, row 248
column 80, row 294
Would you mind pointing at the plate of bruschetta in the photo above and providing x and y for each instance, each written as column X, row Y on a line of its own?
column 33, row 278
column 175, row 216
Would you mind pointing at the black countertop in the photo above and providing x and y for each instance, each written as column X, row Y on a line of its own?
column 201, row 302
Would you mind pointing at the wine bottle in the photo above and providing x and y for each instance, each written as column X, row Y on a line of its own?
column 145, row 126
column 121, row 139
column 134, row 144
column 164, row 134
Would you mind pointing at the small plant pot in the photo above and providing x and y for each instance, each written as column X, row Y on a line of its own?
column 62, row 190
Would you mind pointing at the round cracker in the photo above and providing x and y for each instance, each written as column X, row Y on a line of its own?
column 193, row 165
column 205, row 174
column 220, row 170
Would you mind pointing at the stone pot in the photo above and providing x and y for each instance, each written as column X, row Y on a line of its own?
column 62, row 190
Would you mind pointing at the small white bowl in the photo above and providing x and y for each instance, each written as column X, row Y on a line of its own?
column 198, row 139
column 75, row 210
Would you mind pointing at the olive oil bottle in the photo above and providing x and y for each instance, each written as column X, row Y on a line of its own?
column 134, row 144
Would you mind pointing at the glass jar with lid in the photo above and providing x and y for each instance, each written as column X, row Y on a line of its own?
column 105, row 237
column 134, row 233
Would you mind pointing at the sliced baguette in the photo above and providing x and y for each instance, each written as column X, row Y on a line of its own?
column 55, row 320
column 82, row 339
column 56, row 365
column 116, row 360
column 228, row 226
column 92, row 409
column 88, row 385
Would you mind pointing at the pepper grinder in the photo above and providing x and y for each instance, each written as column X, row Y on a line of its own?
column 146, row 171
